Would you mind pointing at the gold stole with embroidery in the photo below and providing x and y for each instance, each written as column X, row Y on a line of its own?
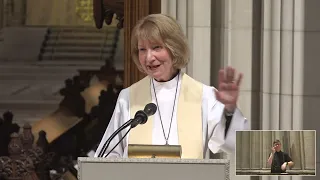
column 189, row 115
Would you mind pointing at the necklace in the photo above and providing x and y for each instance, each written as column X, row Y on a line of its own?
column 174, row 102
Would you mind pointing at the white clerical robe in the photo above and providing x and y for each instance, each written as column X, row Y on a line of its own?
column 213, row 121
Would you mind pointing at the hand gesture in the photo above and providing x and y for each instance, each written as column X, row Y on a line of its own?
column 273, row 150
column 228, row 88
column 284, row 166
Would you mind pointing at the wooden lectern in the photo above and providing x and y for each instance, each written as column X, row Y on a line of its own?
column 152, row 168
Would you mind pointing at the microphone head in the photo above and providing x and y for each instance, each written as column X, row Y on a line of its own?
column 150, row 109
column 141, row 117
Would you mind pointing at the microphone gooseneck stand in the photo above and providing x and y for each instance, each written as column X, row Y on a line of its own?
column 107, row 143
column 140, row 117
column 119, row 141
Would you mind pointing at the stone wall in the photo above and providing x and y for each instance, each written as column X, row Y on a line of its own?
column 46, row 13
column 13, row 13
column 59, row 13
column 51, row 12
column 26, row 40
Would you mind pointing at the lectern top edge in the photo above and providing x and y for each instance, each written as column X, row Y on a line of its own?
column 186, row 169
column 153, row 160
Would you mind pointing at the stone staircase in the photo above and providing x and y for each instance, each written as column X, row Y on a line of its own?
column 30, row 87
column 79, row 46
column 31, row 92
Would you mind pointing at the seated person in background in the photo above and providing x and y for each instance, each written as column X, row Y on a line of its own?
column 196, row 116
column 278, row 160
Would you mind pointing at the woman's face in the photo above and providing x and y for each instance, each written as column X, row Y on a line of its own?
column 155, row 60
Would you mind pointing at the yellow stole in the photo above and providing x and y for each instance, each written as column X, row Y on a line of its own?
column 189, row 115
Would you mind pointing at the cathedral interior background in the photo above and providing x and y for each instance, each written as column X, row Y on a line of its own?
column 61, row 69
column 63, row 63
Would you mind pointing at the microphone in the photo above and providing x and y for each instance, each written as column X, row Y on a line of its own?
column 150, row 109
column 140, row 117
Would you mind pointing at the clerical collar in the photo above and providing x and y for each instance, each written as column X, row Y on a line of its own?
column 167, row 84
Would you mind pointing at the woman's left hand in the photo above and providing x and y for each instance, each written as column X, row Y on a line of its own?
column 228, row 88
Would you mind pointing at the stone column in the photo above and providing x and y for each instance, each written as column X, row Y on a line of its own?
column 255, row 149
column 194, row 16
column 178, row 10
column 245, row 149
column 267, row 144
column 232, row 27
column 239, row 151
column 295, row 148
column 236, row 42
column 199, row 36
column 309, row 146
column 302, row 155
column 282, row 58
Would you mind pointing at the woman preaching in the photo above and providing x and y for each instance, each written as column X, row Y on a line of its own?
column 196, row 116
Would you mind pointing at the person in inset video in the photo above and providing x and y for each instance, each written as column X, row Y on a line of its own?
column 278, row 160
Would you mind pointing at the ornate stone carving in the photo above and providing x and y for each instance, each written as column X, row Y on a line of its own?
column 27, row 137
column 15, row 146
column 12, row 169
column 25, row 162
column 20, row 163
